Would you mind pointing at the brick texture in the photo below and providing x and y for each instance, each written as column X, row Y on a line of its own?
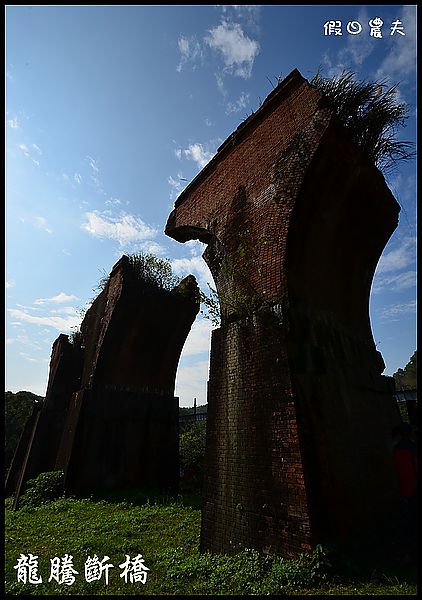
column 110, row 419
column 299, row 416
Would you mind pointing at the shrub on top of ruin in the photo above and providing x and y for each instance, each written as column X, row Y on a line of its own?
column 372, row 113
column 147, row 267
column 154, row 270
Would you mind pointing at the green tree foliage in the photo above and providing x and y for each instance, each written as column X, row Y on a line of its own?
column 372, row 114
column 192, row 446
column 148, row 267
column 46, row 487
column 156, row 271
column 211, row 306
column 406, row 378
column 18, row 407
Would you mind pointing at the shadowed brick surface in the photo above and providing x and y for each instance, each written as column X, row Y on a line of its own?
column 299, row 416
column 110, row 418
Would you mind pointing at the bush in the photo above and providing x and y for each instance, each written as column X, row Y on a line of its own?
column 45, row 488
column 192, row 446
column 247, row 572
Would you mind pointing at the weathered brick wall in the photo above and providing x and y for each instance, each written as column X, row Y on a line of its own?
column 119, row 438
column 295, row 219
column 39, row 443
column 110, row 418
column 254, row 489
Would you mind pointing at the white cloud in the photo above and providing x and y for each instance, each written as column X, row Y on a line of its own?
column 59, row 299
column 191, row 382
column 24, row 149
column 238, row 105
column 113, row 202
column 392, row 313
column 237, row 49
column 65, row 310
column 178, row 153
column 40, row 223
column 78, row 178
column 220, row 84
column 125, row 229
column 394, row 283
column 65, row 176
column 400, row 62
column 397, row 259
column 14, row 123
column 59, row 323
column 37, row 149
column 195, row 265
column 93, row 164
column 28, row 357
column 9, row 284
column 199, row 338
column 199, row 154
column 190, row 51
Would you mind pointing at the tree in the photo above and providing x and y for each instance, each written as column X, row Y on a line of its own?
column 372, row 114
column 18, row 408
column 192, row 447
column 406, row 378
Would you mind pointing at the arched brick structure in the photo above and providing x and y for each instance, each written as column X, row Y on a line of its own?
column 110, row 418
column 299, row 415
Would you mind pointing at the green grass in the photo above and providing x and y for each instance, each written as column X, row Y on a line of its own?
column 165, row 530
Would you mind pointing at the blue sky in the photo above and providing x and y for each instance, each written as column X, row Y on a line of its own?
column 110, row 109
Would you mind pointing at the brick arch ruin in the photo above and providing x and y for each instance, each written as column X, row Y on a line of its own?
column 299, row 415
column 110, row 419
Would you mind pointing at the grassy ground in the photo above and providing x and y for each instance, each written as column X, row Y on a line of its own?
column 165, row 531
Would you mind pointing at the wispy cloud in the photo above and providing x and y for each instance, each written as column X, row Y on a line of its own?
column 26, row 151
column 78, row 178
column 58, row 299
column 59, row 323
column 248, row 14
column 27, row 357
column 125, row 229
column 178, row 185
column 38, row 222
column 396, row 311
column 394, row 271
column 399, row 258
column 93, row 164
column 199, row 338
column 198, row 153
column 14, row 123
column 190, row 51
column 400, row 62
column 41, row 223
column 94, row 177
column 195, row 265
column 191, row 382
column 395, row 283
column 113, row 202
column 239, row 104
column 9, row 284
column 238, row 51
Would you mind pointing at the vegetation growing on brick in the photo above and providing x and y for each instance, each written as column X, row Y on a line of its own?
column 371, row 112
